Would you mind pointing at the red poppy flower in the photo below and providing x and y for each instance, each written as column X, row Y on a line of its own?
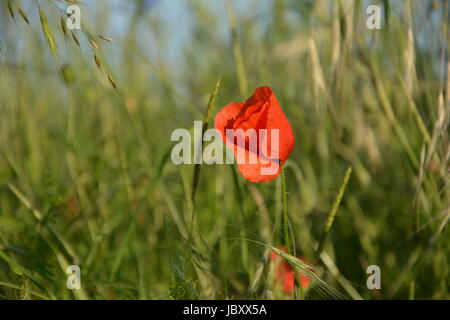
column 258, row 133
column 284, row 273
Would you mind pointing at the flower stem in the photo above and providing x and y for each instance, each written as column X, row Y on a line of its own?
column 285, row 218
column 298, row 290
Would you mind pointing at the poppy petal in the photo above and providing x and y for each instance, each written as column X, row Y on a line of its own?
column 262, row 113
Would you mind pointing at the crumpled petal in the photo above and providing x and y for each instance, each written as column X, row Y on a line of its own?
column 262, row 113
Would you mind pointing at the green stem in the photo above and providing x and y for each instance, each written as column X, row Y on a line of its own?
column 285, row 213
column 298, row 290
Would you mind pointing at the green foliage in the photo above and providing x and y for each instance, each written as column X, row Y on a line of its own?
column 86, row 176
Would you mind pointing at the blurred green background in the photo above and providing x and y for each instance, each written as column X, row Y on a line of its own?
column 86, row 177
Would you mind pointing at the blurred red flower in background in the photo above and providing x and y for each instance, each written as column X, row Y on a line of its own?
column 260, row 111
column 285, row 274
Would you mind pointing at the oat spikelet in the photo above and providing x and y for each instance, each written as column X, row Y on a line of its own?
column 67, row 74
column 111, row 80
column 94, row 44
column 63, row 27
column 24, row 16
column 409, row 58
column 98, row 62
column 48, row 34
column 317, row 72
column 108, row 39
column 10, row 9
column 76, row 39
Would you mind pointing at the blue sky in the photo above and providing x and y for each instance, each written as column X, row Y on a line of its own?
column 176, row 22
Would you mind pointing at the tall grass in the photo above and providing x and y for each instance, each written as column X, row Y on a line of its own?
column 86, row 177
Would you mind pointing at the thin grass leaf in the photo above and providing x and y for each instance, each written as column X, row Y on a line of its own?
column 205, row 125
column 237, row 51
column 24, row 290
